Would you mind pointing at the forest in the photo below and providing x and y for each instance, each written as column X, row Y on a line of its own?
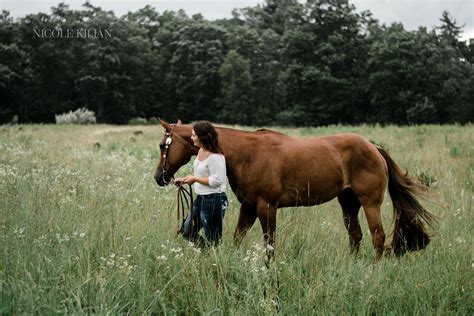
column 282, row 62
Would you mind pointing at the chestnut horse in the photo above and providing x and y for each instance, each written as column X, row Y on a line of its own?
column 268, row 170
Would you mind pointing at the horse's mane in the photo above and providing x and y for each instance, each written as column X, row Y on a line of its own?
column 269, row 132
column 258, row 132
column 266, row 130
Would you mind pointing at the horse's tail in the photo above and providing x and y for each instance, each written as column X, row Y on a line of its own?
column 409, row 231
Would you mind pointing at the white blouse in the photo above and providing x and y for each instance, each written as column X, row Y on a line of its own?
column 213, row 167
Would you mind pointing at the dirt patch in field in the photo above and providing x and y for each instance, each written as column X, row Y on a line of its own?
column 135, row 133
column 121, row 129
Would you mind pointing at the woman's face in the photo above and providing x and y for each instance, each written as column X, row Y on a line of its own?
column 195, row 139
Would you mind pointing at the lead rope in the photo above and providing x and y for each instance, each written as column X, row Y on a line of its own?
column 185, row 199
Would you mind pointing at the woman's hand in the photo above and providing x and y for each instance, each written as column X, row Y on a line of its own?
column 185, row 180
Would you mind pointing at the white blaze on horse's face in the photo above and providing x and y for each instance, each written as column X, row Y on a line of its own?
column 164, row 172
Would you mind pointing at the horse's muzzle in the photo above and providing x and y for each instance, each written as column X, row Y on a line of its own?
column 161, row 178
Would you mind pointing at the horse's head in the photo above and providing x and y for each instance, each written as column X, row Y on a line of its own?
column 176, row 149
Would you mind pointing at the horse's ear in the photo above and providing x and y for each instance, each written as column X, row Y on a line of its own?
column 179, row 122
column 165, row 124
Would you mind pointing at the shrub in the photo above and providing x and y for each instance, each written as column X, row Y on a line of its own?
column 80, row 116
column 137, row 121
column 153, row 121
column 294, row 116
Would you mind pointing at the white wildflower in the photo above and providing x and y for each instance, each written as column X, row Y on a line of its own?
column 176, row 250
column 19, row 232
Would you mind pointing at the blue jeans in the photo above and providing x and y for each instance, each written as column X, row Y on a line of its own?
column 208, row 212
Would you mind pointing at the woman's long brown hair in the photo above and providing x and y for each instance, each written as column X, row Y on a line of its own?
column 207, row 135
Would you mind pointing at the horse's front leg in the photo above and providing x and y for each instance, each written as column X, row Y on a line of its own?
column 266, row 213
column 247, row 217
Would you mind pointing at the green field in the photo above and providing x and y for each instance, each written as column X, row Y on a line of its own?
column 85, row 229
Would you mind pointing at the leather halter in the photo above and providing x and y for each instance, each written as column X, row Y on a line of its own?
column 168, row 142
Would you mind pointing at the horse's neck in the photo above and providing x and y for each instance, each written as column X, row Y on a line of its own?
column 237, row 152
column 235, row 146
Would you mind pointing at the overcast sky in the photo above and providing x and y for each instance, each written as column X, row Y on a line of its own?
column 412, row 13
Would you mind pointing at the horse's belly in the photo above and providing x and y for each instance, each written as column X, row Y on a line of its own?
column 302, row 198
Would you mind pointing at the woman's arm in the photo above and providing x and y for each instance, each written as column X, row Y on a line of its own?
column 191, row 179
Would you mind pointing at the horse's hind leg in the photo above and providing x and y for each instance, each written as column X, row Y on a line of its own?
column 350, row 210
column 247, row 217
column 266, row 213
column 374, row 220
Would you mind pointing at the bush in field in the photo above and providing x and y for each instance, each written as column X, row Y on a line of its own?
column 137, row 121
column 80, row 116
column 153, row 121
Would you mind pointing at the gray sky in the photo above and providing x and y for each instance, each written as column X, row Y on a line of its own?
column 412, row 13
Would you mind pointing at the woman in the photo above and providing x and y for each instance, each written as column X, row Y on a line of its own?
column 209, row 181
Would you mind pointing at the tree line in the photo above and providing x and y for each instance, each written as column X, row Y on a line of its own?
column 281, row 62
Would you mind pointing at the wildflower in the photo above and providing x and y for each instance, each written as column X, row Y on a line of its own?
column 19, row 232
column 63, row 238
column 162, row 258
column 40, row 239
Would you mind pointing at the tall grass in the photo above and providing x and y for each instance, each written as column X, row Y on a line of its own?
column 85, row 229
